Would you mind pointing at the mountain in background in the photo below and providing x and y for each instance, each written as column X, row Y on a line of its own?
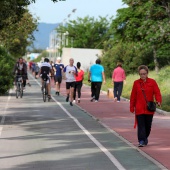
column 42, row 35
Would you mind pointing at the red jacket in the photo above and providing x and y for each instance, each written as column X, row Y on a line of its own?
column 137, row 100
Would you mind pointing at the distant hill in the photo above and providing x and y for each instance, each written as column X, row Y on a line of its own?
column 43, row 34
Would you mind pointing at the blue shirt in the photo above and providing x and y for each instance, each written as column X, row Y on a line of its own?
column 58, row 69
column 96, row 71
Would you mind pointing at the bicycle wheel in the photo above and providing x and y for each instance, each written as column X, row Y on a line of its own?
column 17, row 90
column 21, row 90
column 44, row 91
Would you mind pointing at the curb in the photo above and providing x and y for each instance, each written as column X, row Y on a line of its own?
column 159, row 111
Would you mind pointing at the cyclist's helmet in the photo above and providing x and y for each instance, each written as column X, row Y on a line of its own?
column 46, row 60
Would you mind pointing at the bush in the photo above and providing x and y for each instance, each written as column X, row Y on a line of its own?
column 6, row 68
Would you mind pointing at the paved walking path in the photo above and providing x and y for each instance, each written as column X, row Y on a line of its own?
column 116, row 117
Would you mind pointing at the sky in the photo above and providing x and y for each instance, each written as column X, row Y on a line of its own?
column 62, row 11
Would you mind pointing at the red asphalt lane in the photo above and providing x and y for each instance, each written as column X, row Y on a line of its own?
column 116, row 116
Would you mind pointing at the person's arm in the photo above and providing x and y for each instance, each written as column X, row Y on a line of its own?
column 89, row 75
column 25, row 69
column 133, row 99
column 158, row 95
column 104, row 78
column 113, row 75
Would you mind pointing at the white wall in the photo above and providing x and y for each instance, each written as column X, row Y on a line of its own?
column 86, row 57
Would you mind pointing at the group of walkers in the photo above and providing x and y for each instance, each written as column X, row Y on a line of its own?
column 144, row 91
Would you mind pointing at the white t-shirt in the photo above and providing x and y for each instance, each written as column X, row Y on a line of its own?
column 70, row 72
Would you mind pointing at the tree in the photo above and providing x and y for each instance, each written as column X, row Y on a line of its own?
column 6, row 65
column 86, row 32
column 17, row 36
column 146, row 23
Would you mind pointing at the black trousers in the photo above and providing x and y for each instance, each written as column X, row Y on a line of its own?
column 95, row 89
column 144, row 126
column 78, row 85
column 118, row 87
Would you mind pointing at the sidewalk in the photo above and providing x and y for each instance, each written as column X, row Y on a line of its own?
column 117, row 118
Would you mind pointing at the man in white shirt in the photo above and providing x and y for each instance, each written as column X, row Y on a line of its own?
column 70, row 72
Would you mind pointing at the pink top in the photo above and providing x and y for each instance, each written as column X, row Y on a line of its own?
column 118, row 74
column 80, row 75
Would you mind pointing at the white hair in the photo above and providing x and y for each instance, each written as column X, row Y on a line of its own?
column 58, row 58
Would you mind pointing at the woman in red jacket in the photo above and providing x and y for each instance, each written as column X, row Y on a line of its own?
column 138, row 104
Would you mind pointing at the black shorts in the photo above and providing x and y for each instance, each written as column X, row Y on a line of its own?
column 58, row 79
column 70, row 84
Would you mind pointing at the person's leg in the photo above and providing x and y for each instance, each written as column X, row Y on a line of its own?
column 92, row 90
column 115, row 89
column 56, row 85
column 79, row 85
column 75, row 89
column 72, row 92
column 141, row 127
column 59, row 84
column 67, row 91
column 97, row 92
column 120, row 88
column 24, row 82
column 148, row 125
column 49, row 86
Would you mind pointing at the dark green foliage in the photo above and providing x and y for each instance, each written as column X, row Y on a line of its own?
column 141, row 35
column 6, row 69
column 87, row 32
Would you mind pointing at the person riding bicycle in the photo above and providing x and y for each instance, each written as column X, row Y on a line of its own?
column 20, row 69
column 45, row 70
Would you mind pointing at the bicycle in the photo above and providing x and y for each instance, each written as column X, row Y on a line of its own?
column 45, row 89
column 19, row 85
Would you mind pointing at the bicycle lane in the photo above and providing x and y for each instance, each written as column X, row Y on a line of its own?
column 117, row 118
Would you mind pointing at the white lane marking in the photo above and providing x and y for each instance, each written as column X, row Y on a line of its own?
column 94, row 140
column 134, row 147
column 3, row 115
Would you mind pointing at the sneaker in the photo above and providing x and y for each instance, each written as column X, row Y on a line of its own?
column 96, row 101
column 115, row 99
column 71, row 104
column 56, row 93
column 74, row 101
column 92, row 99
column 141, row 144
column 118, row 101
column 29, row 84
column 146, row 141
column 67, row 98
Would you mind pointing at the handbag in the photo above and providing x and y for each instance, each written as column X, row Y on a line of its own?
column 151, row 106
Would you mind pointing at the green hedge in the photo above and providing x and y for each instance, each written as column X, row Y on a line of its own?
column 6, row 68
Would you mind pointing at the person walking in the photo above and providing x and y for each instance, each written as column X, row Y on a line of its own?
column 79, row 81
column 118, row 77
column 58, row 68
column 96, row 76
column 70, row 73
column 37, row 69
column 144, row 90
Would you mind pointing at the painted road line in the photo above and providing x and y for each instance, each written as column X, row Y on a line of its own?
column 4, row 112
column 93, row 139
column 134, row 147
